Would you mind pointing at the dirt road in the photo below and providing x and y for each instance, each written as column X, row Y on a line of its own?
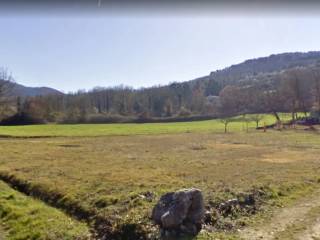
column 299, row 221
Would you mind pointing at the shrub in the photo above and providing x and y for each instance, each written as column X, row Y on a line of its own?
column 22, row 119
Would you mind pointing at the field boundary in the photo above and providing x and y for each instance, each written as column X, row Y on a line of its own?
column 27, row 137
column 99, row 226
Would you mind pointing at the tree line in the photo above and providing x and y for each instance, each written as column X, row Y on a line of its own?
column 293, row 90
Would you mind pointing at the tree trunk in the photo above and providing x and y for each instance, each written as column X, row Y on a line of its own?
column 293, row 116
column 276, row 115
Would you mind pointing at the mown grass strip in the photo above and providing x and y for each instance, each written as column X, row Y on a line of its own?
column 27, row 218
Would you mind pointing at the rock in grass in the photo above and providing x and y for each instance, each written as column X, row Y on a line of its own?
column 180, row 213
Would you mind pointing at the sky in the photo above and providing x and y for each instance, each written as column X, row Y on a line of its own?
column 83, row 51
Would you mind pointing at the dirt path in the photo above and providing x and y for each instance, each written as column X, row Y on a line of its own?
column 287, row 217
column 311, row 233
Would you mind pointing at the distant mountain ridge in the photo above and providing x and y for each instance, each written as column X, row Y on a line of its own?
column 24, row 91
column 250, row 70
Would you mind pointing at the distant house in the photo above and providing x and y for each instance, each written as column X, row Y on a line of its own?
column 213, row 103
column 215, row 100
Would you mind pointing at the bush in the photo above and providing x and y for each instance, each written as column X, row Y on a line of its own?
column 22, row 119
column 99, row 118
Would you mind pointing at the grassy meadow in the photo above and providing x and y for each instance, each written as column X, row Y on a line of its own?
column 93, row 130
column 119, row 171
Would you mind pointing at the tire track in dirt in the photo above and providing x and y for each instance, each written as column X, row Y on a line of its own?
column 285, row 217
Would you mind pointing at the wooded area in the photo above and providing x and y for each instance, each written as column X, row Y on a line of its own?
column 292, row 90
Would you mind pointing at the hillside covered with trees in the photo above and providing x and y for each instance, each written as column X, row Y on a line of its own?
column 288, row 82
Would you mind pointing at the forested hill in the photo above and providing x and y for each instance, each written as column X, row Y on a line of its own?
column 274, row 62
column 249, row 69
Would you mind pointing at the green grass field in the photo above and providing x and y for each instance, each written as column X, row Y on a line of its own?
column 86, row 130
column 110, row 173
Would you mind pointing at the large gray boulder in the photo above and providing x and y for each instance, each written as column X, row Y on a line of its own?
column 179, row 213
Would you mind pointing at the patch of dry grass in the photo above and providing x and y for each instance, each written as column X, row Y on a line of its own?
column 115, row 170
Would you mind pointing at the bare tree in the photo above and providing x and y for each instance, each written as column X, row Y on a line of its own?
column 295, row 90
column 232, row 100
column 315, row 75
column 5, row 89
column 272, row 102
column 226, row 122
column 256, row 118
column 246, row 119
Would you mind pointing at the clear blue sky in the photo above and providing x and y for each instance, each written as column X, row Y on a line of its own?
column 81, row 52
